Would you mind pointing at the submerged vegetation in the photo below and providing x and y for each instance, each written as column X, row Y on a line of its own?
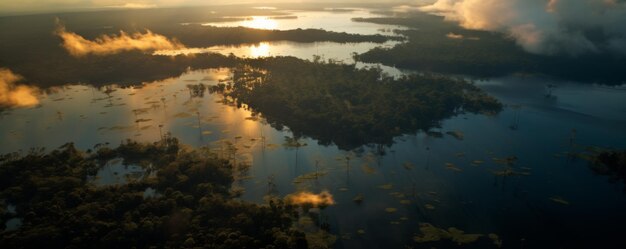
column 339, row 104
column 60, row 206
column 611, row 163
column 412, row 193
column 430, row 233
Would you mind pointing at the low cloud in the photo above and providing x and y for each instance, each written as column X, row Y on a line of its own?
column 78, row 46
column 307, row 198
column 13, row 94
column 545, row 26
column 132, row 6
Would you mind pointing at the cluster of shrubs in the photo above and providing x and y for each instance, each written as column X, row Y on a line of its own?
column 61, row 207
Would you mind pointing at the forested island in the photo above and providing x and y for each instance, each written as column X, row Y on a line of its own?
column 343, row 125
column 191, row 203
column 441, row 46
column 349, row 107
column 22, row 50
column 196, row 35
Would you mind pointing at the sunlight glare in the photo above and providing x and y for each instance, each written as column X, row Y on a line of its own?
column 260, row 50
column 260, row 22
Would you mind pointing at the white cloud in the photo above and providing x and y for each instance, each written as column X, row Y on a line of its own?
column 78, row 46
column 545, row 26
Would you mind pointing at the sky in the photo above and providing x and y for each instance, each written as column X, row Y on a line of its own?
column 21, row 6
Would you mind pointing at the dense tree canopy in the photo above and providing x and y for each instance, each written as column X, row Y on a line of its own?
column 61, row 207
column 337, row 103
column 444, row 47
column 611, row 163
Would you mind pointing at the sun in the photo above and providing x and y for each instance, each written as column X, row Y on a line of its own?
column 260, row 22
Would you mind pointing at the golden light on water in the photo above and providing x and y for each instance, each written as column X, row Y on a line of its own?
column 324, row 198
column 260, row 22
column 260, row 50
column 168, row 103
column 14, row 95
column 24, row 96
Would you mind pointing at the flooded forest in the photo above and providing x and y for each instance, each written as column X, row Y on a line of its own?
column 309, row 125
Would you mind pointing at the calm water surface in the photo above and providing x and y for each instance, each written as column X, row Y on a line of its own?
column 413, row 178
column 445, row 181
column 328, row 20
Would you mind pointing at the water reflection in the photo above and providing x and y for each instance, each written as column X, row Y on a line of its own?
column 115, row 172
column 91, row 116
column 260, row 50
column 307, row 198
column 13, row 94
column 150, row 193
column 337, row 21
column 408, row 184
column 260, row 22
column 13, row 224
column 328, row 50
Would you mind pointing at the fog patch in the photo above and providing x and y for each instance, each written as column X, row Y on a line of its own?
column 78, row 46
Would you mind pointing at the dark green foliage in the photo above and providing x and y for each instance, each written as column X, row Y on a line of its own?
column 349, row 107
column 483, row 53
column 134, row 67
column 610, row 163
column 196, row 35
column 61, row 208
column 31, row 49
column 129, row 68
column 490, row 56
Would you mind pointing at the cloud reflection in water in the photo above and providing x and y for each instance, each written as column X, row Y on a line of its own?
column 13, row 95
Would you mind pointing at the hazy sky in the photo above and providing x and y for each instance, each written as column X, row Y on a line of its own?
column 17, row 6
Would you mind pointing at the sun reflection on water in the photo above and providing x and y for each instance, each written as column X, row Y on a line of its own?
column 263, row 49
column 260, row 50
column 260, row 22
